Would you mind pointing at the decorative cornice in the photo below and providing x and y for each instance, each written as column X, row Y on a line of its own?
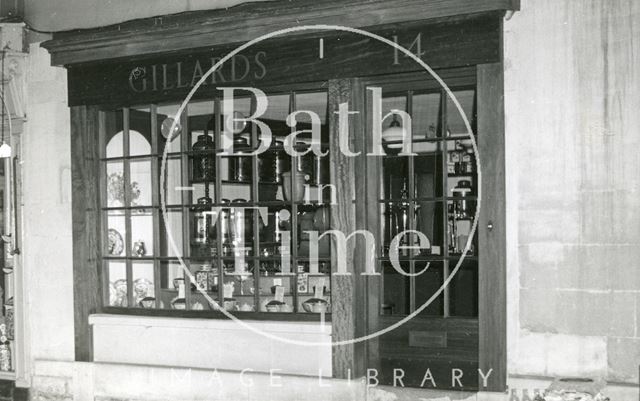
column 247, row 21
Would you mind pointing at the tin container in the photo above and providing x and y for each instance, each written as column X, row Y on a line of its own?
column 204, row 163
column 203, row 230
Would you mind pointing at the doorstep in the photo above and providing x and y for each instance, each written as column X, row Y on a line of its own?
column 520, row 389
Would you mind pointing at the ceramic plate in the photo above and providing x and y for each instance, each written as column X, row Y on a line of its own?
column 116, row 243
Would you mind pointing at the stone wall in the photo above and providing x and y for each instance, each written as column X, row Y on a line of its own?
column 572, row 83
column 47, row 247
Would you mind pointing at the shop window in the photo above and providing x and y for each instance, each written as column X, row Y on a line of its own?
column 234, row 230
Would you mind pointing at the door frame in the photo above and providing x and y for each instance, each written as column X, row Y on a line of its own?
column 492, row 327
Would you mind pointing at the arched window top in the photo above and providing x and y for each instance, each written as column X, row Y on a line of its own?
column 138, row 144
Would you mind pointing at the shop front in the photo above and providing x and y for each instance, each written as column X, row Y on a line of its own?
column 174, row 234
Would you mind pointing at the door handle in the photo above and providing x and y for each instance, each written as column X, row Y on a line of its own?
column 490, row 225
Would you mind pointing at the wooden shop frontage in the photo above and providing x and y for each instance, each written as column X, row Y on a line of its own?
column 154, row 193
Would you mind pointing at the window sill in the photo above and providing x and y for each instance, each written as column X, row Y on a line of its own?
column 212, row 315
column 104, row 319
column 212, row 343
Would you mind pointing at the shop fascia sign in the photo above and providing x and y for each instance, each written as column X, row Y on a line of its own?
column 184, row 74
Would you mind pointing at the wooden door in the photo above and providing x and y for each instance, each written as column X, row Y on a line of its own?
column 427, row 287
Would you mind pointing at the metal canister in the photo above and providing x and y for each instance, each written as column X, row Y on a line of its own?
column 282, row 163
column 267, row 166
column 240, row 166
column 225, row 215
column 462, row 206
column 202, row 226
column 321, row 170
column 204, row 163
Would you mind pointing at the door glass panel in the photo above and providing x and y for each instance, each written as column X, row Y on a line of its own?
column 460, row 215
column 425, row 115
column 428, row 176
column 427, row 284
column 455, row 122
column 396, row 297
column 464, row 290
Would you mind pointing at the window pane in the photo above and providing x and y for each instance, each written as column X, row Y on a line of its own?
column 201, row 121
column 138, row 144
column 315, row 102
column 171, row 225
column 165, row 115
column 142, row 233
column 241, row 109
column 276, row 114
column 275, row 292
column 143, row 284
column 313, row 284
column 140, row 182
column 206, row 276
column 139, row 131
column 116, row 234
column 173, row 181
column 117, row 279
column 238, row 290
column 275, row 233
column 171, row 276
column 115, row 184
column 113, row 136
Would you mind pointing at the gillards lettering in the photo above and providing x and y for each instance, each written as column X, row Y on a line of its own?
column 186, row 73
